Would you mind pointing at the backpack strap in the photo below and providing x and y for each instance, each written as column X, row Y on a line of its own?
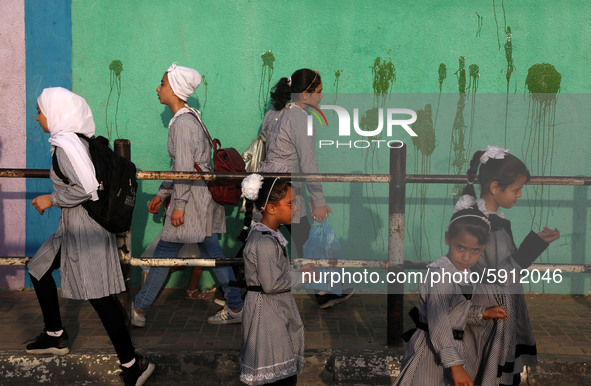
column 57, row 170
column 216, row 141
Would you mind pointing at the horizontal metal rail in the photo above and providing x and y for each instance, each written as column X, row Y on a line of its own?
column 320, row 177
column 329, row 263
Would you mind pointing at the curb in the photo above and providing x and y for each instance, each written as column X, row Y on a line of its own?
column 322, row 367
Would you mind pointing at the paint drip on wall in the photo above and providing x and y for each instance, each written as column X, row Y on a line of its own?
column 115, row 70
column 508, row 73
column 543, row 83
column 424, row 144
column 266, row 75
column 384, row 77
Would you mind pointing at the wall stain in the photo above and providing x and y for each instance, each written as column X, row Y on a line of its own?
column 543, row 83
column 384, row 78
column 508, row 72
column 115, row 69
column 337, row 77
column 266, row 75
column 424, row 144
column 442, row 75
column 479, row 29
column 205, row 86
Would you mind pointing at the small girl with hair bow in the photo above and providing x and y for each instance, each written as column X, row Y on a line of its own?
column 437, row 353
column 272, row 330
column 502, row 176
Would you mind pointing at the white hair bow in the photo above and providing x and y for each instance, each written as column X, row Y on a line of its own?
column 493, row 152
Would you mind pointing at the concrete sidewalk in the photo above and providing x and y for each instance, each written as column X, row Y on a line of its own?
column 344, row 345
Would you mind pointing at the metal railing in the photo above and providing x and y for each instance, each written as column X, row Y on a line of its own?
column 397, row 180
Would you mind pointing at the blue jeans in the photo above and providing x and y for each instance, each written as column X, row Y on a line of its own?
column 210, row 247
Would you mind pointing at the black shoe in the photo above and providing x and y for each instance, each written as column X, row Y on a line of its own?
column 137, row 374
column 330, row 300
column 45, row 344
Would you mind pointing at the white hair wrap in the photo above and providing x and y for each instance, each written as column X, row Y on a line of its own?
column 183, row 80
column 493, row 152
column 251, row 186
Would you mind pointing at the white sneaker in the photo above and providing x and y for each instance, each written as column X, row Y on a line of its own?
column 137, row 319
column 226, row 316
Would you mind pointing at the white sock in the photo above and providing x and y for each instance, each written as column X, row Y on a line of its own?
column 128, row 364
column 55, row 333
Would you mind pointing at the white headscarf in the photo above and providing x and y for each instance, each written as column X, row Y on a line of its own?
column 183, row 80
column 68, row 114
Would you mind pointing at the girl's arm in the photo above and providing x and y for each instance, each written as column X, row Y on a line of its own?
column 73, row 194
column 270, row 268
column 530, row 249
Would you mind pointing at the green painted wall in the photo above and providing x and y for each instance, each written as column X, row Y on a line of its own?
column 225, row 40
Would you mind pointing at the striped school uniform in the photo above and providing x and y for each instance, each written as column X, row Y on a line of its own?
column 187, row 145
column 272, row 330
column 291, row 150
column 90, row 267
column 438, row 343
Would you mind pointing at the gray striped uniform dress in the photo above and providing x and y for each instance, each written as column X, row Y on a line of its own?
column 90, row 267
column 272, row 330
column 291, row 150
column 513, row 345
column 432, row 350
column 187, row 145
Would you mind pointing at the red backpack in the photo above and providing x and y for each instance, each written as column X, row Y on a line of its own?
column 224, row 160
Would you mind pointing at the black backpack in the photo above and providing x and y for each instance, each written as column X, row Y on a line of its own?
column 117, row 186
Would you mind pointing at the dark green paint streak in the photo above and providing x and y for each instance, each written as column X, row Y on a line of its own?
column 115, row 70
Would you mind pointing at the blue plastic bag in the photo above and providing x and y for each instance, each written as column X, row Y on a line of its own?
column 323, row 244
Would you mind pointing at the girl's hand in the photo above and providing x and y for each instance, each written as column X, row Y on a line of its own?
column 549, row 235
column 495, row 313
column 320, row 213
column 42, row 202
column 154, row 204
column 177, row 217
column 460, row 376
column 314, row 272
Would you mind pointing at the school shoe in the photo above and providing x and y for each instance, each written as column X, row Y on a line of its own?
column 331, row 300
column 226, row 316
column 137, row 319
column 138, row 373
column 45, row 344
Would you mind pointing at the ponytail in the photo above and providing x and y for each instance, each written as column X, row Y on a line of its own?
column 472, row 173
column 281, row 94
column 247, row 220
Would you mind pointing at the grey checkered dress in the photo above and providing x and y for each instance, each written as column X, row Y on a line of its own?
column 443, row 308
column 272, row 330
column 291, row 150
column 187, row 145
column 90, row 267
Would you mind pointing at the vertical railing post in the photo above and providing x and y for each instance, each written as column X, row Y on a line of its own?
column 122, row 147
column 396, row 243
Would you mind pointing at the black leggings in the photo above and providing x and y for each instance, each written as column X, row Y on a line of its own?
column 108, row 309
column 300, row 234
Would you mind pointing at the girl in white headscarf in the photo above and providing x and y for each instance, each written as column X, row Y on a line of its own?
column 84, row 251
column 192, row 216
